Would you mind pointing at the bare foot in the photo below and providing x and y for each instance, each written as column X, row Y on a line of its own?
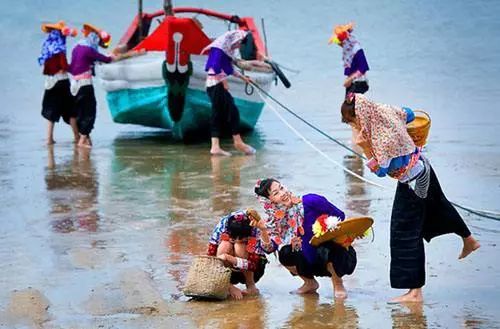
column 470, row 245
column 235, row 292
column 219, row 152
column 251, row 291
column 310, row 286
column 339, row 290
column 412, row 296
column 85, row 145
column 245, row 148
column 338, row 284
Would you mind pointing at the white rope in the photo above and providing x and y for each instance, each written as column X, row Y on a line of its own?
column 316, row 148
column 481, row 212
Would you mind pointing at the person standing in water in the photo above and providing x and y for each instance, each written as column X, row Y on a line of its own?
column 355, row 65
column 420, row 209
column 84, row 56
column 219, row 67
column 57, row 100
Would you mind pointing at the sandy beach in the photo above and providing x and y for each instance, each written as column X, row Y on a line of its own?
column 104, row 238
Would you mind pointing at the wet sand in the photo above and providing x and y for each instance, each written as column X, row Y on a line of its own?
column 107, row 237
column 104, row 239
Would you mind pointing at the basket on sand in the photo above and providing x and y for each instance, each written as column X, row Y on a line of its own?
column 207, row 278
column 419, row 128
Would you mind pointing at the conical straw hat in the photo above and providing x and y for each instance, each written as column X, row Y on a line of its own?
column 346, row 232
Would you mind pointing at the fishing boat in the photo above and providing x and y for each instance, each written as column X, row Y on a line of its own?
column 165, row 87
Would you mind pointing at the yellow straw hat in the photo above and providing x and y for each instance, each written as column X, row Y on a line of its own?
column 104, row 36
column 47, row 27
column 345, row 232
column 340, row 33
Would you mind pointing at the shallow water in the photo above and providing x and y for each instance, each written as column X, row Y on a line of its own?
column 72, row 221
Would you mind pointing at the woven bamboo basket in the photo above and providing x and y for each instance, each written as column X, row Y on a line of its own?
column 419, row 128
column 207, row 278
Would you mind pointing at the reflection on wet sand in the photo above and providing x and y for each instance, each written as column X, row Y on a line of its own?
column 72, row 189
column 408, row 315
column 310, row 313
column 189, row 230
column 249, row 313
column 356, row 196
column 226, row 172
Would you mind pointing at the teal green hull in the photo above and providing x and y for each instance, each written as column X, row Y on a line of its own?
column 148, row 107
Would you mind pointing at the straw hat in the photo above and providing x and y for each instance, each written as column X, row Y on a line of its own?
column 47, row 27
column 340, row 33
column 105, row 37
column 345, row 232
column 61, row 26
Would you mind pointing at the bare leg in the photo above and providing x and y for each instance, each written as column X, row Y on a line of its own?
column 216, row 149
column 241, row 146
column 84, row 141
column 241, row 252
column 470, row 245
column 412, row 296
column 52, row 162
column 74, row 127
column 309, row 286
column 337, row 282
column 225, row 247
column 50, row 133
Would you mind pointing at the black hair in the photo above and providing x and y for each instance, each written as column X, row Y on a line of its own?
column 264, row 187
column 347, row 111
column 239, row 229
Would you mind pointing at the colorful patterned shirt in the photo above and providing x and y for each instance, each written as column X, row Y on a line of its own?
column 255, row 252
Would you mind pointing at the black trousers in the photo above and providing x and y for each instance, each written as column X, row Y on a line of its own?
column 58, row 102
column 225, row 115
column 414, row 219
column 85, row 105
column 343, row 260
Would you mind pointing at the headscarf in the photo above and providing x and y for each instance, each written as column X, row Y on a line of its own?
column 350, row 47
column 54, row 44
column 226, row 41
column 384, row 127
column 91, row 40
column 287, row 222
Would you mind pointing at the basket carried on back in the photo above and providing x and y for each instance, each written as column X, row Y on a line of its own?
column 207, row 278
column 419, row 128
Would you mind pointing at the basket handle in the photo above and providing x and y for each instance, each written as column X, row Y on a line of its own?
column 424, row 113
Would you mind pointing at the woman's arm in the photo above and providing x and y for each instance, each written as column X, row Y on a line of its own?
column 322, row 203
column 249, row 264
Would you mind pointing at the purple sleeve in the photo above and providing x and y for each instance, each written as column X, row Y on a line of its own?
column 321, row 203
column 219, row 61
column 359, row 63
column 97, row 56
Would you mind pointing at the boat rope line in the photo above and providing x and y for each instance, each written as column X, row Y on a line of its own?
column 478, row 212
column 326, row 156
column 305, row 121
